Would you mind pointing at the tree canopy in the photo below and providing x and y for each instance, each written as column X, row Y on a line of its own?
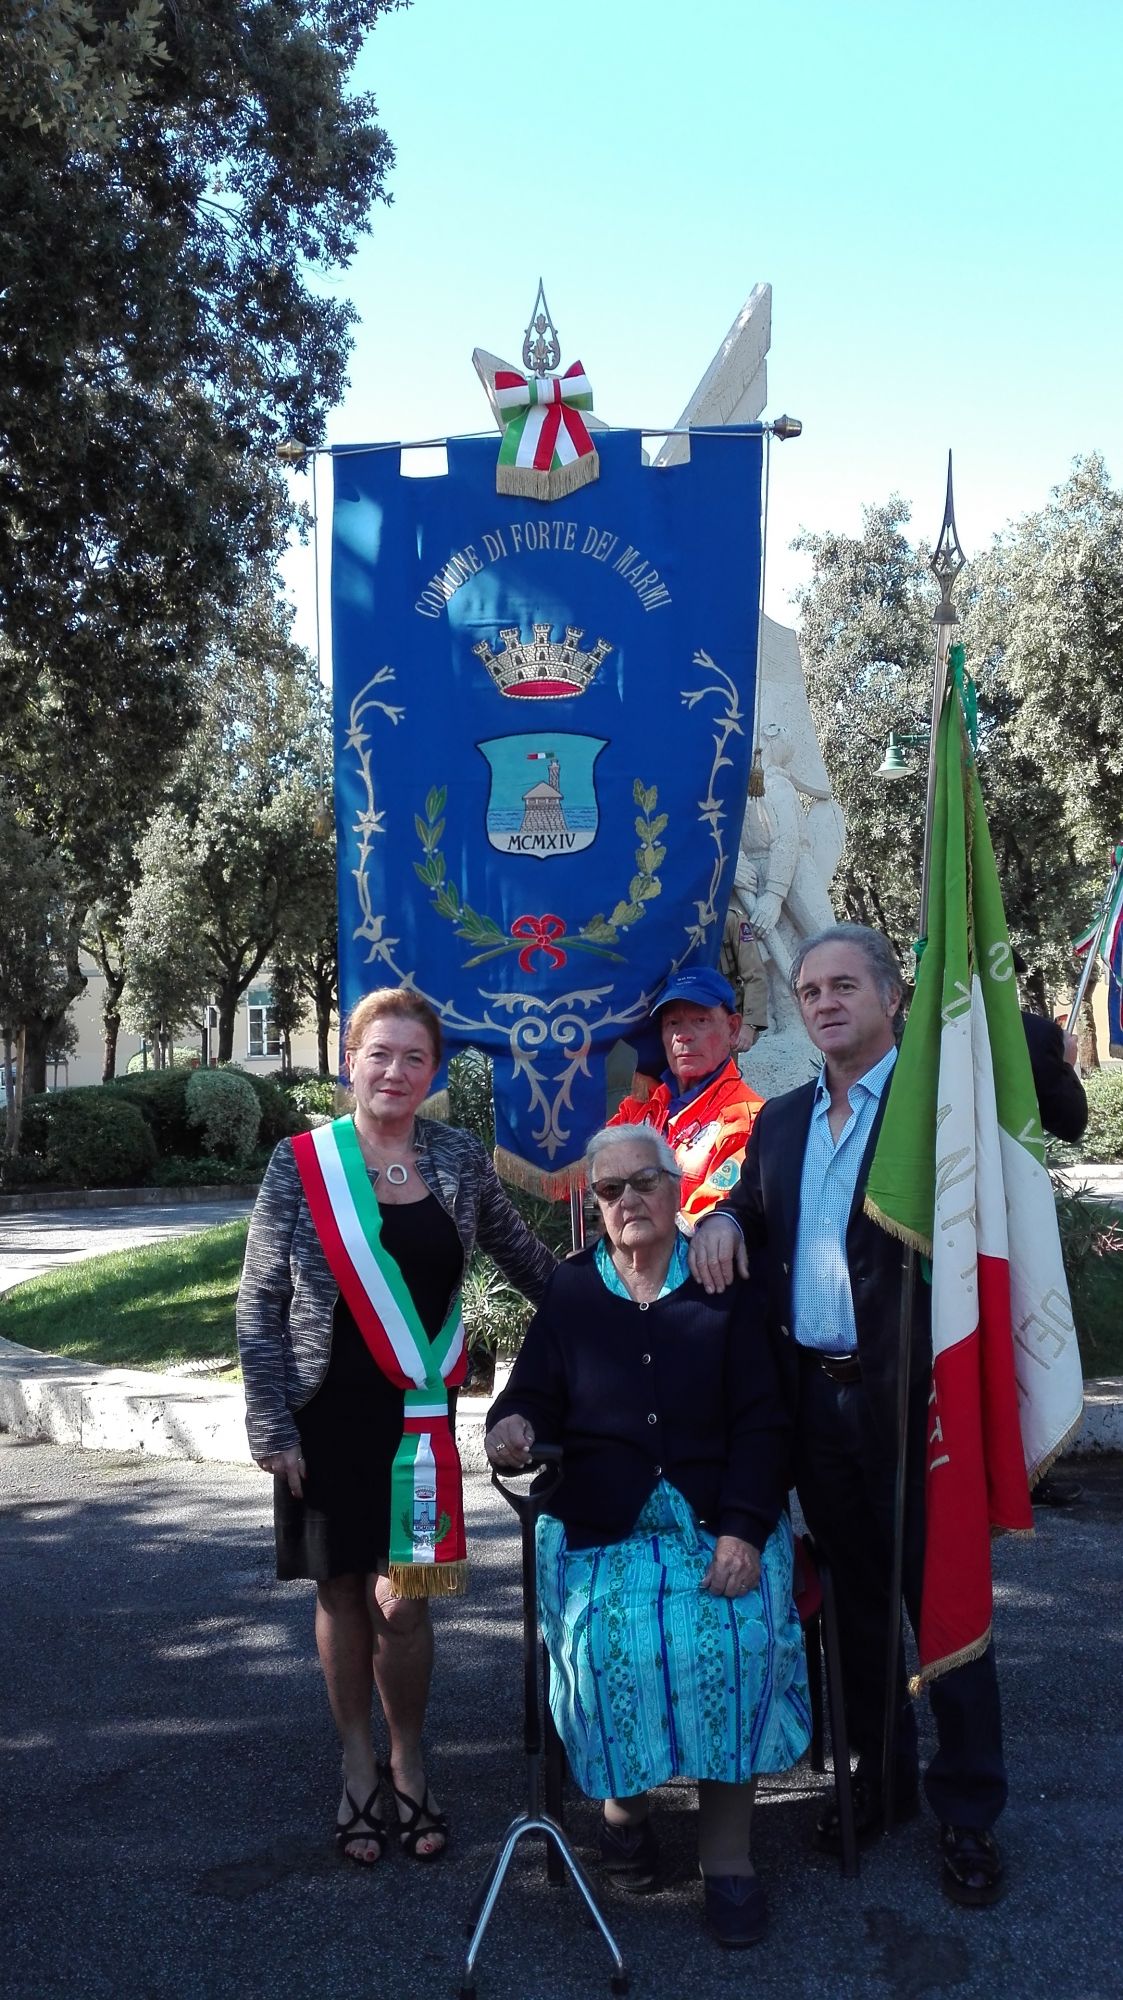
column 173, row 181
column 1042, row 623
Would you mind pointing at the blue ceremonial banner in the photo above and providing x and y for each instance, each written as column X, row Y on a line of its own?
column 1115, row 995
column 543, row 732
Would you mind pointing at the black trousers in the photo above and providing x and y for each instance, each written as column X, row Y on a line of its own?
column 846, row 1478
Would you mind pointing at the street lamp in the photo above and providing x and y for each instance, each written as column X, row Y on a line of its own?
column 895, row 764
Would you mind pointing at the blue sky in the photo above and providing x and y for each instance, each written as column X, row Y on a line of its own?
column 932, row 192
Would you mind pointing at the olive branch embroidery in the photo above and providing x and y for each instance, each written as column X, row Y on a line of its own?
column 444, row 1523
column 645, row 884
column 446, row 897
column 596, row 936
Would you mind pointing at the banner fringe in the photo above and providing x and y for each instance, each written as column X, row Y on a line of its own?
column 527, row 483
column 553, row 1186
column 1046, row 1464
column 963, row 1658
column 428, row 1579
column 900, row 1230
column 435, row 1107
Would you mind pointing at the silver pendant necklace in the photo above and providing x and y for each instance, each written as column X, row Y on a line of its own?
column 396, row 1173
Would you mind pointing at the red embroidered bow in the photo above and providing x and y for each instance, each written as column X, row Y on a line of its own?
column 539, row 930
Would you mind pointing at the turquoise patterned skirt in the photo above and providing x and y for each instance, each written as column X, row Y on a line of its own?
column 651, row 1677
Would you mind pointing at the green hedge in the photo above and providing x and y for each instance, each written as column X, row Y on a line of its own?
column 306, row 1090
column 86, row 1138
column 279, row 1118
column 1102, row 1143
column 160, row 1096
column 223, row 1106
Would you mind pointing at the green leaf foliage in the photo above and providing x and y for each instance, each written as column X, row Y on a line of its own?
column 224, row 1107
column 88, row 1138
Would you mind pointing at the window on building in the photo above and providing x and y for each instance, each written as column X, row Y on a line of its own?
column 264, row 1039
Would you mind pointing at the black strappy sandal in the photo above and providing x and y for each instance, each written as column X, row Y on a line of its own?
column 410, row 1831
column 364, row 1824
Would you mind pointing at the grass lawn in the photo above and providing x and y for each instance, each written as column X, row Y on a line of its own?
column 146, row 1308
column 174, row 1302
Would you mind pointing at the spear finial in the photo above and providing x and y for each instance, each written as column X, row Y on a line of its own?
column 541, row 345
column 948, row 560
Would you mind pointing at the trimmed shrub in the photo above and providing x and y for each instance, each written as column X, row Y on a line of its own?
column 87, row 1138
column 181, row 1058
column 161, row 1098
column 174, row 1170
column 279, row 1118
column 224, row 1106
column 1103, row 1141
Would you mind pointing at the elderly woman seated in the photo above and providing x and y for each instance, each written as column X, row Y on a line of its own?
column 665, row 1559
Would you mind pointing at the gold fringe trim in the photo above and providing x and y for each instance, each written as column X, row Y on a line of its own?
column 963, row 1658
column 897, row 1229
column 534, row 1180
column 428, row 1579
column 1046, row 1465
column 756, row 775
column 435, row 1107
column 527, row 483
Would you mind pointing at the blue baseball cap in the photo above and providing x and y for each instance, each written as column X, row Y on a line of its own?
column 699, row 984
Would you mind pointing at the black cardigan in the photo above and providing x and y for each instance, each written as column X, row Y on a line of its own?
column 686, row 1389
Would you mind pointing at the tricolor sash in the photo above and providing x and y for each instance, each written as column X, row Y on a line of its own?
column 427, row 1547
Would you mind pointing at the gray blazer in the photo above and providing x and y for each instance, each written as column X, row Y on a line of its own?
column 287, row 1296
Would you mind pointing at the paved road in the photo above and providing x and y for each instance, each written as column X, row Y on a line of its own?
column 168, row 1778
column 33, row 1244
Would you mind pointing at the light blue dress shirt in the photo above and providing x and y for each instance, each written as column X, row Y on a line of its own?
column 822, row 1303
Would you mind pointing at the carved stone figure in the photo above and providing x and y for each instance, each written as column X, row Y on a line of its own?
column 791, row 843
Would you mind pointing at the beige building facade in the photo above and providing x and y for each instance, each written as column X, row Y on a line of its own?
column 256, row 1043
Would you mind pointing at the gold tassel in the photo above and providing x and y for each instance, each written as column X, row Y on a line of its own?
column 533, row 1180
column 756, row 775
column 429, row 1579
column 964, row 1657
column 527, row 483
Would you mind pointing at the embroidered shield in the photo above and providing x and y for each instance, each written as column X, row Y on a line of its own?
column 543, row 801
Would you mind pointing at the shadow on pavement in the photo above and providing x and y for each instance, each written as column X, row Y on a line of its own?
column 170, row 1777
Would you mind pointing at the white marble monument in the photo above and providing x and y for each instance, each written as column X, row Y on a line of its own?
column 793, row 837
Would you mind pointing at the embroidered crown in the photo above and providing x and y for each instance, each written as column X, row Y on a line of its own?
column 541, row 666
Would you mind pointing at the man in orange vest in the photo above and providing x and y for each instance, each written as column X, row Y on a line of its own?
column 702, row 1105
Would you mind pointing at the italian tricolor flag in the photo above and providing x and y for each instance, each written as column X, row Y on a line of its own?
column 959, row 1171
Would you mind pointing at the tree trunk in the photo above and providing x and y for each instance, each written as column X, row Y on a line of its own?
column 111, row 1028
column 37, row 1038
column 16, row 1118
column 11, row 1132
column 228, row 997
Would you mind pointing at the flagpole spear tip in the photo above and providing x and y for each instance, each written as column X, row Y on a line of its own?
column 541, row 348
column 948, row 559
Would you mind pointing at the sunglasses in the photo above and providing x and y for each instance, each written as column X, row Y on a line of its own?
column 645, row 1182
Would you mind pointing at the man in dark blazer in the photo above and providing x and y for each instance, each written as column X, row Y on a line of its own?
column 834, row 1305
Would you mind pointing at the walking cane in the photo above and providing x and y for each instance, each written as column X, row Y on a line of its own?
column 533, row 1819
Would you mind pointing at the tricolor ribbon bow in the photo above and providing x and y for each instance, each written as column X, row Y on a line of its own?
column 546, row 450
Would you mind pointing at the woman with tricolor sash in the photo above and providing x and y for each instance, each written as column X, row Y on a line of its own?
column 665, row 1554
column 352, row 1351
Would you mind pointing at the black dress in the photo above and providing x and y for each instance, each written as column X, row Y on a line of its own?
column 352, row 1426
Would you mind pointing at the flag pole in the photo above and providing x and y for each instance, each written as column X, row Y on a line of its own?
column 948, row 560
column 1095, row 948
